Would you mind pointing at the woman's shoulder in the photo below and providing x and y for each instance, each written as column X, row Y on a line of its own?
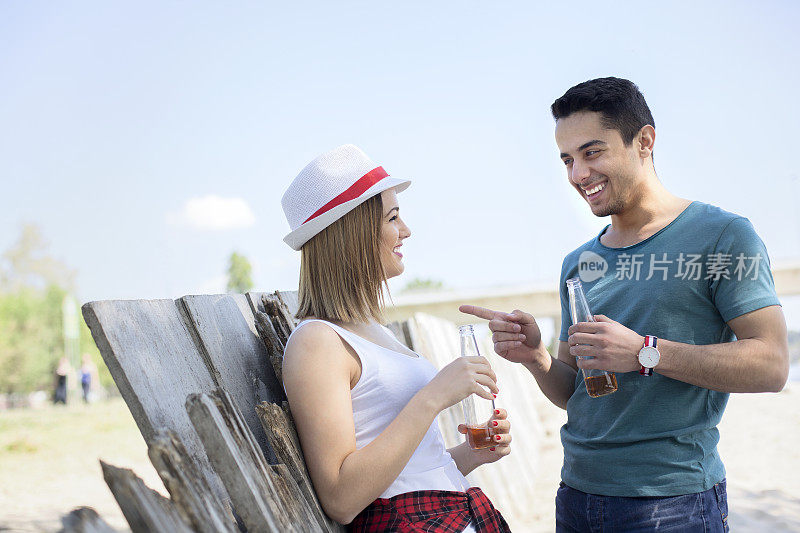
column 316, row 341
column 315, row 346
column 312, row 334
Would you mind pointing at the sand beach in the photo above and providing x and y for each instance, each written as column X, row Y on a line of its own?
column 49, row 463
column 759, row 438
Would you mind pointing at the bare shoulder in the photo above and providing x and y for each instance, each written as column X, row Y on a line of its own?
column 314, row 344
column 311, row 335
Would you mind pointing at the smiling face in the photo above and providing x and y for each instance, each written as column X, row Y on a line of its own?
column 393, row 232
column 605, row 172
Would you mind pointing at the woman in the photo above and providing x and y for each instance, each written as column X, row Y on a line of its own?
column 365, row 405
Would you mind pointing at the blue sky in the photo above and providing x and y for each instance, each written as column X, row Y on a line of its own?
column 120, row 120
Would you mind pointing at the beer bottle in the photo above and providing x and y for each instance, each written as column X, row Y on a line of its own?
column 477, row 410
column 598, row 382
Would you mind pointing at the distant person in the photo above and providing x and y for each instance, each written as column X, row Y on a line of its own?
column 365, row 405
column 686, row 313
column 63, row 370
column 88, row 371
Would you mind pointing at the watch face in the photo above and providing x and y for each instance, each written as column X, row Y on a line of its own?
column 648, row 357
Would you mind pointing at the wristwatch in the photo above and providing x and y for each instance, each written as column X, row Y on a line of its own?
column 649, row 355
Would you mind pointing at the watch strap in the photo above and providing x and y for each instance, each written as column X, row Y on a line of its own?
column 652, row 341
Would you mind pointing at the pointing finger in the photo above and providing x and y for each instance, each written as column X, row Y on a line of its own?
column 480, row 312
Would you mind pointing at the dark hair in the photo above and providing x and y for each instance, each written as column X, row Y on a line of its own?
column 619, row 102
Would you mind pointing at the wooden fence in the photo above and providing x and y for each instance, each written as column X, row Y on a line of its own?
column 201, row 376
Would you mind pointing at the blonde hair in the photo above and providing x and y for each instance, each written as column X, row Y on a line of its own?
column 341, row 273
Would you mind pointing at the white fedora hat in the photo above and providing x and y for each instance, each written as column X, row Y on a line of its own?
column 329, row 187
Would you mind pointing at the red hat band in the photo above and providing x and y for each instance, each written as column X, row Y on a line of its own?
column 354, row 191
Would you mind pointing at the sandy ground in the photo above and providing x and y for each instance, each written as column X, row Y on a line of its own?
column 48, row 463
column 759, row 438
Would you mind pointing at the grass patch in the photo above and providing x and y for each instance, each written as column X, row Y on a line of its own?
column 49, row 462
column 21, row 446
column 61, row 430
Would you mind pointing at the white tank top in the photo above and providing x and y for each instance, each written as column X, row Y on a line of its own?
column 388, row 381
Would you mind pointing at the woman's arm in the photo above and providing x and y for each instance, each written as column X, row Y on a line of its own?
column 318, row 372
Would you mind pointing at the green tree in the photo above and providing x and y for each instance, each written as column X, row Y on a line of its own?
column 423, row 284
column 30, row 338
column 32, row 289
column 239, row 274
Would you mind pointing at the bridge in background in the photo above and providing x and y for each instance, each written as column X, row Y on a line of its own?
column 541, row 300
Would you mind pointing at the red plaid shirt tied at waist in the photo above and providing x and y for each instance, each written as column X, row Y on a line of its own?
column 431, row 511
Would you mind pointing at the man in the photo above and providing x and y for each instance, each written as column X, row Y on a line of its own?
column 690, row 279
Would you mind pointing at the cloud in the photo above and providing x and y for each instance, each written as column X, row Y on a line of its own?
column 213, row 212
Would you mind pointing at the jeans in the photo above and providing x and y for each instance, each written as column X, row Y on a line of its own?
column 578, row 512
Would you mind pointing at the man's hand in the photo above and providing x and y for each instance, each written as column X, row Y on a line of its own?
column 517, row 339
column 516, row 335
column 613, row 346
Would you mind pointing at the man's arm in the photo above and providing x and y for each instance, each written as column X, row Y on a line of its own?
column 557, row 380
column 758, row 361
column 517, row 338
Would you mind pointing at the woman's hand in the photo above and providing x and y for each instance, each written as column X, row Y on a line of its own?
column 500, row 428
column 467, row 459
column 459, row 379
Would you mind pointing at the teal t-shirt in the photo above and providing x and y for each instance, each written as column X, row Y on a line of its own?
column 657, row 436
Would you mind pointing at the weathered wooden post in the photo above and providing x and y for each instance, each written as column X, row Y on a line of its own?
column 202, row 378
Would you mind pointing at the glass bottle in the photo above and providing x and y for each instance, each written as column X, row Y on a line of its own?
column 598, row 382
column 477, row 410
